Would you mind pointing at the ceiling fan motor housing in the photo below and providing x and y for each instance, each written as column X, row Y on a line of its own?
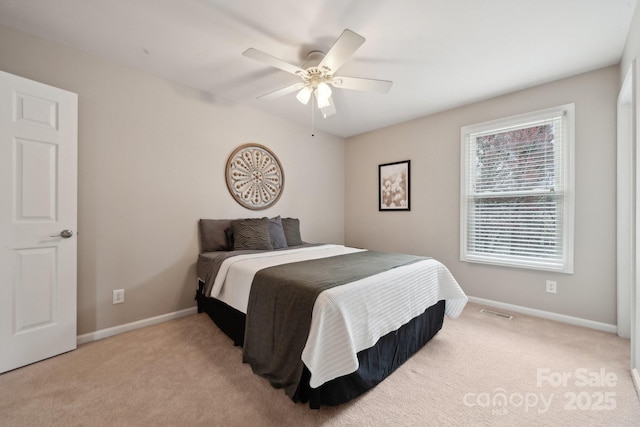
column 313, row 74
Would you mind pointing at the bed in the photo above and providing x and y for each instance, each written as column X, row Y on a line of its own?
column 324, row 322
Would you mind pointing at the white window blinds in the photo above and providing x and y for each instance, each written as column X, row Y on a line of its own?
column 517, row 199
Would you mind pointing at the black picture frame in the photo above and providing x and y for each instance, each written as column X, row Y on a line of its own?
column 394, row 185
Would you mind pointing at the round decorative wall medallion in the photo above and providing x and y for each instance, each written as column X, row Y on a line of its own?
column 254, row 176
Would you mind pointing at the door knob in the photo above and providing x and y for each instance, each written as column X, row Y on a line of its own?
column 65, row 234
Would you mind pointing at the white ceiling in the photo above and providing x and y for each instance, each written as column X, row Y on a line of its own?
column 439, row 53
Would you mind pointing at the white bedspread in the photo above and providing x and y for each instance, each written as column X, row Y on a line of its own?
column 350, row 318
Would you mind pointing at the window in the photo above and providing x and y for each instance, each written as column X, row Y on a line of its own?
column 517, row 191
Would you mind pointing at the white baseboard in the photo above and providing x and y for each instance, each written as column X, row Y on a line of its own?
column 547, row 315
column 636, row 380
column 109, row 332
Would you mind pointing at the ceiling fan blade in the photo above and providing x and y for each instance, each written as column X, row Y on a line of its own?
column 341, row 51
column 281, row 92
column 356, row 83
column 273, row 61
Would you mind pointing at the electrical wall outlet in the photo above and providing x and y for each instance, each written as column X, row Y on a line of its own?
column 552, row 286
column 118, row 296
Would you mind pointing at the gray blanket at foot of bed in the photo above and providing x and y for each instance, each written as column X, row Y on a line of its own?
column 281, row 304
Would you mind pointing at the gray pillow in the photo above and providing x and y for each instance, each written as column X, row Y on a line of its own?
column 276, row 233
column 291, row 228
column 251, row 233
column 213, row 236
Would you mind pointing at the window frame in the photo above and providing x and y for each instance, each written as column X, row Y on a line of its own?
column 568, row 161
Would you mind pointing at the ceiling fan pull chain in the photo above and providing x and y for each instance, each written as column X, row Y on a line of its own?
column 313, row 117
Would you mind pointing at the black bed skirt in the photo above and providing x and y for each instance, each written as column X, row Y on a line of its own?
column 376, row 363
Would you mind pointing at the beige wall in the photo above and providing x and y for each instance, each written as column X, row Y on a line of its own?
column 151, row 160
column 151, row 163
column 432, row 227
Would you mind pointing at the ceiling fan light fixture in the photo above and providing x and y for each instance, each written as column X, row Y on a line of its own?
column 328, row 109
column 324, row 91
column 323, row 95
column 304, row 95
column 323, row 102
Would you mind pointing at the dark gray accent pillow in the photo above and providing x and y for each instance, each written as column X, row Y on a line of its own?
column 276, row 233
column 229, row 233
column 251, row 233
column 213, row 236
column 291, row 228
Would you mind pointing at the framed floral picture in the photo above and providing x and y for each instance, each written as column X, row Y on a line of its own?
column 393, row 181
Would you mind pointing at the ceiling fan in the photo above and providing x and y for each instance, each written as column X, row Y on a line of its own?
column 319, row 72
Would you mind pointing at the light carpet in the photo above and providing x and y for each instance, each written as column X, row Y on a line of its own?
column 479, row 370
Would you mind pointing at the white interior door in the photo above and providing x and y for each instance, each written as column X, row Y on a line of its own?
column 38, row 200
